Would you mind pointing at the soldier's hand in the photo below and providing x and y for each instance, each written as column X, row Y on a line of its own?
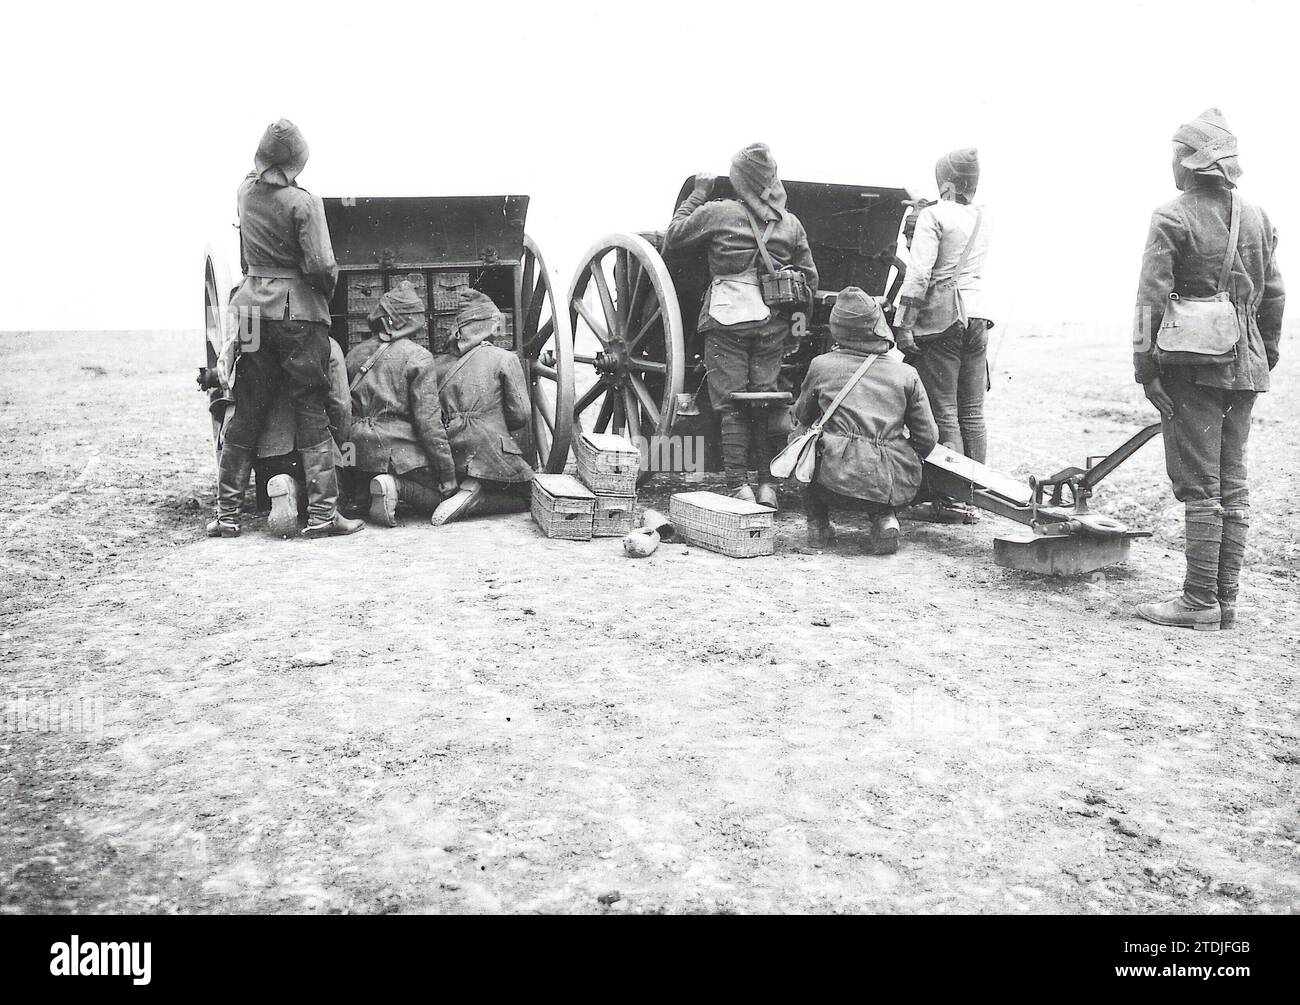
column 906, row 344
column 1158, row 396
column 704, row 183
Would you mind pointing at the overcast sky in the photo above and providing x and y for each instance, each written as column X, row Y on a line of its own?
column 128, row 126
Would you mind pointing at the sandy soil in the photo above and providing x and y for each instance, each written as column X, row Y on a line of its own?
column 507, row 723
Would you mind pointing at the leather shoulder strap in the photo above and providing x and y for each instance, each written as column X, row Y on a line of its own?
column 1234, row 231
column 761, row 239
column 457, row 368
column 369, row 364
column 844, row 392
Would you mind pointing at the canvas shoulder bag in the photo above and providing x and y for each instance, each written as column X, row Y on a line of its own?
column 799, row 458
column 943, row 306
column 1204, row 330
column 738, row 299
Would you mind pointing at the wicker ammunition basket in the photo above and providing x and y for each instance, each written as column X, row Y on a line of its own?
column 364, row 291
column 445, row 294
column 723, row 524
column 607, row 463
column 562, row 507
column 614, row 515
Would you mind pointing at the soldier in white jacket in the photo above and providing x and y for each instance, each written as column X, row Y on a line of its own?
column 944, row 324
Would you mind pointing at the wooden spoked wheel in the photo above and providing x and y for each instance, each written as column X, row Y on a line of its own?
column 627, row 342
column 544, row 340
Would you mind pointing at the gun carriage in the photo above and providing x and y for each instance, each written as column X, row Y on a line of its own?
column 638, row 357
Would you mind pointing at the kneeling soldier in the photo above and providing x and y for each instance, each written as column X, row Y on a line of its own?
column 485, row 401
column 865, row 462
column 397, row 430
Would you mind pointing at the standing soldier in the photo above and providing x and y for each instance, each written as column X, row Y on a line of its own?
column 1212, row 297
column 944, row 326
column 283, row 307
column 397, row 431
column 744, row 337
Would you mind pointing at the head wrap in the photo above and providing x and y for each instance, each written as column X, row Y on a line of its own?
column 1213, row 146
column 857, row 318
column 753, row 176
column 281, row 155
column 961, row 168
column 476, row 321
column 402, row 307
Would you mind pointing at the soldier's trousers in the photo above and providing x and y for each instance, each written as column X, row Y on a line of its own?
column 749, row 361
column 954, row 371
column 1205, row 456
column 289, row 355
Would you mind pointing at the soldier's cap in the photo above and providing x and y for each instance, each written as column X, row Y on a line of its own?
column 753, row 176
column 282, row 153
column 961, row 167
column 401, row 305
column 475, row 306
column 402, row 299
column 1213, row 145
column 857, row 317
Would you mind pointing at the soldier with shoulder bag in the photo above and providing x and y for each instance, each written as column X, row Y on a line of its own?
column 745, row 316
column 1208, row 323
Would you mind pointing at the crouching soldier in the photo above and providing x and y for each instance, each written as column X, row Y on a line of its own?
column 485, row 403
column 865, row 462
column 398, row 437
column 279, row 467
column 744, row 337
column 283, row 306
column 1208, row 244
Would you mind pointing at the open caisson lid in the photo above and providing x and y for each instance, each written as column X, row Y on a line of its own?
column 401, row 233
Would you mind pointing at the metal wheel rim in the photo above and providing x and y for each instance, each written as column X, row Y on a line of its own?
column 545, row 346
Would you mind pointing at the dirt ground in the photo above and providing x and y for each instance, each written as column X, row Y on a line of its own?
column 478, row 719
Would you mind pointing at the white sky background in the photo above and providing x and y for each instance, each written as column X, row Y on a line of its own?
column 127, row 126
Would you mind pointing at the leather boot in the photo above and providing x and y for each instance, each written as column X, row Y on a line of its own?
column 885, row 532
column 766, row 495
column 460, row 505
column 283, row 492
column 1176, row 613
column 323, row 516
column 1232, row 553
column 233, row 470
column 820, row 532
column 383, row 500
column 744, row 493
column 1198, row 607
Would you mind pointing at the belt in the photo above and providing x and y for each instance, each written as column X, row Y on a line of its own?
column 272, row 272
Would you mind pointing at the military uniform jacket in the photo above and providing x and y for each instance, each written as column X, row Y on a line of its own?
column 396, row 416
column 484, row 400
column 282, row 228
column 1184, row 253
column 722, row 227
column 864, row 452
